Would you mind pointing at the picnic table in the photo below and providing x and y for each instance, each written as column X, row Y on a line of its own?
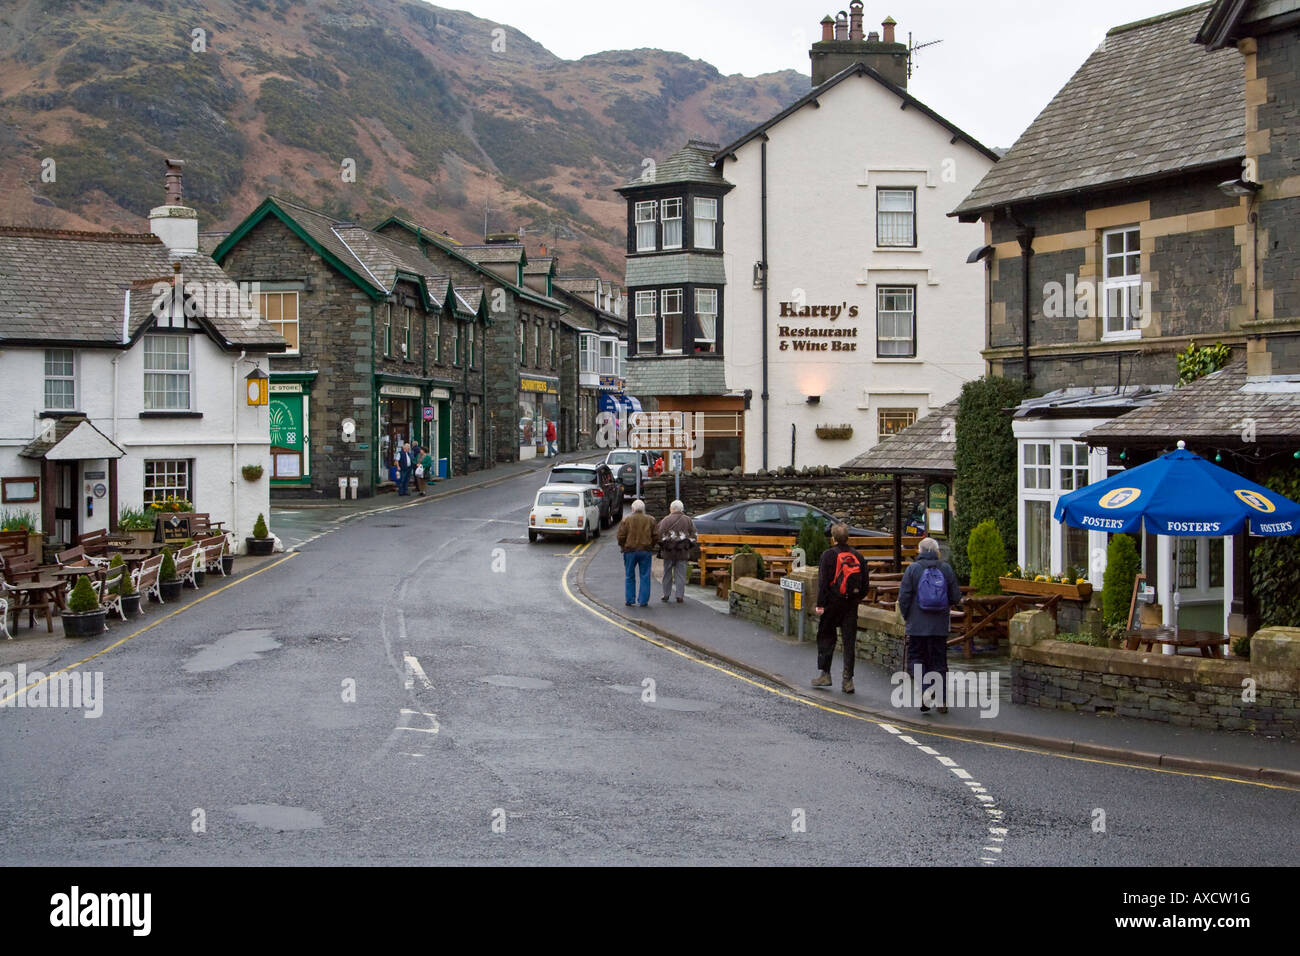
column 1209, row 643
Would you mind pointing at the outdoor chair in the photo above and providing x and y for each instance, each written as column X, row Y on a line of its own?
column 213, row 549
column 73, row 558
column 145, row 579
column 186, row 559
column 21, row 568
column 109, row 599
column 94, row 543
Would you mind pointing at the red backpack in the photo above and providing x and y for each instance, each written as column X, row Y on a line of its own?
column 847, row 582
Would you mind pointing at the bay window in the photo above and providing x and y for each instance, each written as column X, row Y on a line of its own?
column 671, row 213
column 706, row 224
column 670, row 304
column 706, row 320
column 645, row 320
column 646, row 214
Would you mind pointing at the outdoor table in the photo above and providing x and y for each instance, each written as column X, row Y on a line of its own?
column 41, row 592
column 137, row 556
column 1210, row 643
column 68, row 576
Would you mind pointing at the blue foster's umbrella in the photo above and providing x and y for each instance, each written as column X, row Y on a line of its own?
column 1183, row 495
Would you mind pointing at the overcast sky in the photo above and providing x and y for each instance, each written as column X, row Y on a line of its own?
column 1000, row 61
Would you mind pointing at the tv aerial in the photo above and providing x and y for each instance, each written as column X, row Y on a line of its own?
column 913, row 49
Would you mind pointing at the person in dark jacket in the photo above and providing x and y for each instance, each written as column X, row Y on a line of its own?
column 676, row 541
column 838, row 611
column 927, row 630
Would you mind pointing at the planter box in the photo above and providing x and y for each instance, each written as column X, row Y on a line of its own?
column 89, row 624
column 131, row 605
column 199, row 578
column 228, row 563
column 260, row 546
column 171, row 590
column 139, row 539
column 1074, row 592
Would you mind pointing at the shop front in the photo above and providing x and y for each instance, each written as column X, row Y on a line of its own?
column 437, row 417
column 400, row 421
column 539, row 403
column 288, row 412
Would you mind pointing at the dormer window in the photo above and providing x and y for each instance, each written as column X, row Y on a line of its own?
column 671, row 213
column 706, row 224
column 646, row 214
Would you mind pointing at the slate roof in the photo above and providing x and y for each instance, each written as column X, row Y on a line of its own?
column 693, row 163
column 494, row 252
column 70, row 286
column 1214, row 408
column 40, row 446
column 577, row 283
column 540, row 266
column 679, row 267
column 1147, row 103
column 676, row 376
column 921, row 448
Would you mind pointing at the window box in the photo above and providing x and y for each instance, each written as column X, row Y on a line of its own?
column 835, row 432
column 1073, row 592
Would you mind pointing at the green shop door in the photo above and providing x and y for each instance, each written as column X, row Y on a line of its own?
column 290, row 462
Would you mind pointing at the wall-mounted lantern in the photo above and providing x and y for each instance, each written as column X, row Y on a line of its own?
column 259, row 387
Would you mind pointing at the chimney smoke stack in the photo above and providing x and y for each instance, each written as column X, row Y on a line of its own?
column 828, row 29
column 855, row 20
column 172, row 181
column 888, row 26
column 841, row 26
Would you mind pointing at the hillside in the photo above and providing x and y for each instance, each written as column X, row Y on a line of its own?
column 448, row 117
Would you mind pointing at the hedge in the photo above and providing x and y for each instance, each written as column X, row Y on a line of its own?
column 985, row 482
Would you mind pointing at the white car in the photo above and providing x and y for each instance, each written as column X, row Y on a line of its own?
column 564, row 509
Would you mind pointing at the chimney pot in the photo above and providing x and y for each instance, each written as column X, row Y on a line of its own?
column 841, row 26
column 172, row 181
column 828, row 28
column 855, row 21
column 888, row 26
column 873, row 37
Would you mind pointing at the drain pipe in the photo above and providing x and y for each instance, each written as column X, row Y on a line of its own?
column 763, row 277
column 234, row 443
column 793, row 426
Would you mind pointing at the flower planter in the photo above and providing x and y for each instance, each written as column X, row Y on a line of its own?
column 139, row 539
column 1074, row 592
column 131, row 605
column 260, row 546
column 171, row 590
column 228, row 563
column 89, row 624
column 199, row 578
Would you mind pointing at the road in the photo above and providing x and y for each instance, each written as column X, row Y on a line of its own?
column 424, row 686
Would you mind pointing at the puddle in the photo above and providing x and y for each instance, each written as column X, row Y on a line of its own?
column 272, row 816
column 522, row 683
column 231, row 649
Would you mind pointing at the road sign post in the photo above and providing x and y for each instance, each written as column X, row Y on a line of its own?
column 792, row 590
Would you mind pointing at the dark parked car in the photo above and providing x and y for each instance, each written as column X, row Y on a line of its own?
column 624, row 462
column 768, row 516
column 609, row 493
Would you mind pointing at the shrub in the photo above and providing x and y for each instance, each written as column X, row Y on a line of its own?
column 812, row 538
column 259, row 527
column 83, row 598
column 1122, row 566
column 1275, row 563
column 1195, row 362
column 1241, row 646
column 985, row 459
column 747, row 549
column 167, row 572
column 124, row 586
column 988, row 557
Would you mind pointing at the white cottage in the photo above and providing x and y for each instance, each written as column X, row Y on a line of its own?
column 126, row 362
column 848, row 298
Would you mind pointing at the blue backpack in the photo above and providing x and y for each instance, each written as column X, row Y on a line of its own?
column 932, row 592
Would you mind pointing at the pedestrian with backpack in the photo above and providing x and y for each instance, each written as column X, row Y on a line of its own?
column 841, row 586
column 929, row 590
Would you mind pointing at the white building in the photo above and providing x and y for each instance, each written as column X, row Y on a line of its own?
column 849, row 301
column 115, row 391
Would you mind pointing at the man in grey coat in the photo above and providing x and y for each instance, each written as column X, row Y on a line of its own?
column 676, row 541
column 929, row 590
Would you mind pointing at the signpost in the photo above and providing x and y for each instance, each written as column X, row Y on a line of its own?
column 792, row 591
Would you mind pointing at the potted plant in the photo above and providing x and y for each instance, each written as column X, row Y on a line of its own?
column 200, row 572
column 126, row 588
column 23, row 521
column 228, row 556
column 137, row 524
column 261, row 543
column 168, row 583
column 84, row 616
column 251, row 472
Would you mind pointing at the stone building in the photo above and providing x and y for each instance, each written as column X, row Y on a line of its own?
column 601, row 335
column 384, row 347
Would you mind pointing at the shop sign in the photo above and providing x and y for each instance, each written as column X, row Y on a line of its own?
column 400, row 391
column 611, row 382
column 95, row 475
column 538, row 385
column 440, row 395
column 286, row 388
column 429, row 412
column 817, row 338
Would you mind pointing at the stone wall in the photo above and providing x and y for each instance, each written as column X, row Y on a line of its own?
column 880, row 632
column 866, row 502
column 1183, row 691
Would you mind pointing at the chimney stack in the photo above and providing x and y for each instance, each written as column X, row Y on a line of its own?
column 843, row 44
column 176, row 225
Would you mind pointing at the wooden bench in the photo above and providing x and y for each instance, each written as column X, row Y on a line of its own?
column 212, row 549
column 717, row 550
column 13, row 542
column 875, row 549
column 72, row 558
column 94, row 543
column 1209, row 643
column 145, row 579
